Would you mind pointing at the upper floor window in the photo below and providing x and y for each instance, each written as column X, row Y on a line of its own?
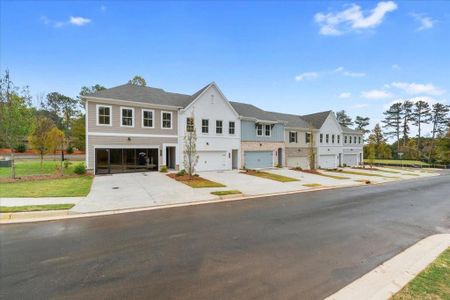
column 127, row 116
column 292, row 137
column 205, row 126
column 338, row 138
column 104, row 115
column 147, row 118
column 327, row 138
column 345, row 139
column 189, row 124
column 268, row 130
column 231, row 127
column 308, row 138
column 354, row 140
column 219, row 127
column 321, row 138
column 259, row 129
column 332, row 138
column 359, row 140
column 166, row 120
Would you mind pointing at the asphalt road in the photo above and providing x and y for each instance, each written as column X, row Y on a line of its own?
column 299, row 246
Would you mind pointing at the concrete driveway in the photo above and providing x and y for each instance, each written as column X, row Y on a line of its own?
column 135, row 190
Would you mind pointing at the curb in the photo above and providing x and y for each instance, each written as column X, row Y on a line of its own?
column 388, row 278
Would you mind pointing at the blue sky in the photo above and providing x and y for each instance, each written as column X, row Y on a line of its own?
column 298, row 57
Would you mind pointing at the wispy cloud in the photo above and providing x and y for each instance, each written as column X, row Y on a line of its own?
column 345, row 72
column 429, row 100
column 345, row 95
column 424, row 21
column 353, row 18
column 359, row 105
column 418, row 88
column 376, row 94
column 306, row 75
column 75, row 21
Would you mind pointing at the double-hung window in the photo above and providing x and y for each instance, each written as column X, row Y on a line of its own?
column 219, row 127
column 104, row 115
column 268, row 130
column 307, row 137
column 147, row 118
column 166, row 120
column 345, row 139
column 332, row 138
column 338, row 138
column 205, row 126
column 259, row 129
column 231, row 128
column 292, row 137
column 327, row 138
column 359, row 140
column 321, row 138
column 127, row 117
column 354, row 140
column 189, row 124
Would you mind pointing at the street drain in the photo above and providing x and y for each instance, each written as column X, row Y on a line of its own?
column 115, row 188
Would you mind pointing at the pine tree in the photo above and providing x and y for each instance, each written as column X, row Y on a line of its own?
column 421, row 115
column 362, row 123
column 344, row 119
column 439, row 119
column 407, row 117
column 392, row 121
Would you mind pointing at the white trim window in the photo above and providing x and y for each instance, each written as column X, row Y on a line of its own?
column 345, row 139
column 259, row 129
column 126, row 116
column 166, row 119
column 205, row 126
column 354, row 140
column 307, row 137
column 189, row 124
column 321, row 138
column 231, row 128
column 148, row 116
column 332, row 138
column 268, row 130
column 338, row 138
column 104, row 115
column 327, row 138
column 293, row 136
column 359, row 140
column 219, row 127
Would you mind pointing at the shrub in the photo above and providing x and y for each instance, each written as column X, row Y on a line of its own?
column 181, row 172
column 163, row 169
column 66, row 163
column 196, row 175
column 21, row 148
column 79, row 169
column 69, row 150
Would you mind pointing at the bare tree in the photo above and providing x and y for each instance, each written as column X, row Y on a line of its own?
column 190, row 147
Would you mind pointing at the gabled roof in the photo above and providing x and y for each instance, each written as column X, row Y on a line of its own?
column 317, row 119
column 143, row 94
column 250, row 111
column 349, row 130
column 292, row 121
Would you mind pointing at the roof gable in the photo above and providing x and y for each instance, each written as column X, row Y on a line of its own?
column 250, row 111
column 317, row 119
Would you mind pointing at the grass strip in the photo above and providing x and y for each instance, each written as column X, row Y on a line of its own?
column 271, row 176
column 358, row 173
column 224, row 193
column 195, row 182
column 27, row 208
column 312, row 184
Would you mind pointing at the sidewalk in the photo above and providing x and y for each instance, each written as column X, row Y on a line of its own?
column 387, row 279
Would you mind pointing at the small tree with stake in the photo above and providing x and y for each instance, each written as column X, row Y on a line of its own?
column 190, row 148
column 55, row 142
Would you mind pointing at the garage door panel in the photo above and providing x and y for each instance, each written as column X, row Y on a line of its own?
column 327, row 161
column 211, row 161
column 258, row 159
column 351, row 159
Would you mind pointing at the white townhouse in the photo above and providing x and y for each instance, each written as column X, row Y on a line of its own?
column 218, row 129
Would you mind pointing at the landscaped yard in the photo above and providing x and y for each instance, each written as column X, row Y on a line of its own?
column 33, row 167
column 271, row 176
column 64, row 187
column 432, row 283
column 316, row 172
column 195, row 181
column 398, row 162
column 312, row 184
column 358, row 173
column 27, row 208
column 225, row 193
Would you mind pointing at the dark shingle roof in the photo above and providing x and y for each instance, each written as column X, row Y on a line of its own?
column 143, row 94
column 251, row 111
column 317, row 119
column 349, row 130
column 293, row 121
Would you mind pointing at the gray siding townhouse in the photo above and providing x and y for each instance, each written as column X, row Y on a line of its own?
column 262, row 137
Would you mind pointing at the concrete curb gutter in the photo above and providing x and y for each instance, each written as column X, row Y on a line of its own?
column 45, row 216
column 391, row 276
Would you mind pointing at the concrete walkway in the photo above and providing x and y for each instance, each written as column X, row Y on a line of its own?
column 390, row 277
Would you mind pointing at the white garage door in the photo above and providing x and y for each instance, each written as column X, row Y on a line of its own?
column 351, row 159
column 327, row 161
column 211, row 161
column 295, row 162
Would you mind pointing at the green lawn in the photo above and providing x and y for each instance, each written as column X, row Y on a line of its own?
column 27, row 208
column 316, row 172
column 224, row 193
column 312, row 184
column 33, row 167
column 65, row 187
column 358, row 173
column 431, row 283
column 271, row 176
column 397, row 162
column 195, row 181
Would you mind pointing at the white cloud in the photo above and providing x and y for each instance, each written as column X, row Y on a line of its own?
column 425, row 22
column 418, row 88
column 376, row 94
column 79, row 21
column 345, row 95
column 353, row 18
column 348, row 73
column 429, row 100
column 306, row 75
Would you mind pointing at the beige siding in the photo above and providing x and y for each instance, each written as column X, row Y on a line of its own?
column 137, row 129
